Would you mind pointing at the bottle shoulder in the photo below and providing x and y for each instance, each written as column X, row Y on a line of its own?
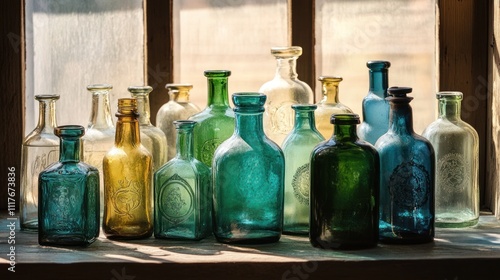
column 80, row 168
column 39, row 138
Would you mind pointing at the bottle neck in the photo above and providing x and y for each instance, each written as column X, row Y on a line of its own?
column 400, row 118
column 127, row 131
column 47, row 116
column 69, row 149
column 331, row 93
column 184, row 145
column 249, row 125
column 379, row 82
column 218, row 92
column 180, row 97
column 100, row 117
column 304, row 121
column 449, row 109
column 143, row 109
column 286, row 68
column 345, row 132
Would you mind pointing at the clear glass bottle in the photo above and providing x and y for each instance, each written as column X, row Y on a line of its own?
column 248, row 179
column 375, row 106
column 329, row 105
column 297, row 149
column 456, row 145
column 344, row 189
column 183, row 192
column 69, row 195
column 406, row 177
column 215, row 123
column 128, row 177
column 158, row 138
column 177, row 108
column 284, row 90
column 39, row 150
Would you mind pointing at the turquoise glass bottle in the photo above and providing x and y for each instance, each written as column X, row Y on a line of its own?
column 297, row 149
column 344, row 189
column 68, row 202
column 215, row 123
column 248, row 179
column 406, row 177
column 375, row 106
column 183, row 192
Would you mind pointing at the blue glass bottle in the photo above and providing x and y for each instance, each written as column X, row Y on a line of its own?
column 248, row 177
column 406, row 177
column 375, row 106
column 68, row 199
column 183, row 192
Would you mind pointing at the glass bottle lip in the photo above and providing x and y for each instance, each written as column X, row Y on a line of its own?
column 217, row 73
column 173, row 86
column 140, row 90
column 99, row 87
column 286, row 52
column 304, row 107
column 69, row 131
column 249, row 101
column 453, row 95
column 378, row 64
column 127, row 106
column 179, row 124
column 344, row 119
column 330, row 79
column 399, row 94
column 47, row 97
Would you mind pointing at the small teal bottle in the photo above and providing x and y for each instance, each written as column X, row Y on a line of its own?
column 68, row 199
column 248, row 179
column 297, row 148
column 406, row 177
column 183, row 192
column 375, row 106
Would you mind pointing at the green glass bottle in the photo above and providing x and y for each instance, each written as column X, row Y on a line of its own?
column 216, row 121
column 344, row 189
column 248, row 179
column 183, row 192
column 297, row 149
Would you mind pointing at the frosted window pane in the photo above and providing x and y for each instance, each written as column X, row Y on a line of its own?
column 349, row 33
column 227, row 35
column 71, row 44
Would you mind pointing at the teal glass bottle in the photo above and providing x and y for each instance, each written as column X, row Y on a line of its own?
column 375, row 106
column 215, row 123
column 297, row 148
column 248, row 179
column 406, row 177
column 344, row 189
column 68, row 195
column 183, row 192
column 456, row 145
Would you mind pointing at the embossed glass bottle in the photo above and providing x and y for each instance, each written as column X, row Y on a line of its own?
column 183, row 192
column 127, row 179
column 456, row 145
column 284, row 90
column 69, row 195
column 375, row 106
column 344, row 189
column 297, row 149
column 177, row 108
column 406, row 177
column 248, row 179
column 39, row 150
column 158, row 138
column 215, row 123
column 329, row 105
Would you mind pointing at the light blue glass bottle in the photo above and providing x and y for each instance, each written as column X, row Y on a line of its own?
column 183, row 192
column 68, row 199
column 375, row 106
column 248, row 179
column 406, row 177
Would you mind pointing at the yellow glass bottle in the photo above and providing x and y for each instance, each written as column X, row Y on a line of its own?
column 127, row 179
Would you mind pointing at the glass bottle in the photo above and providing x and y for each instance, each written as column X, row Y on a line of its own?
column 456, row 145
column 329, row 105
column 406, row 177
column 158, row 138
column 344, row 189
column 248, row 179
column 127, row 179
column 183, row 192
column 177, row 108
column 375, row 106
column 39, row 150
column 215, row 123
column 297, row 149
column 284, row 90
column 69, row 195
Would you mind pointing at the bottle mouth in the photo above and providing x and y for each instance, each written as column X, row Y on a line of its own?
column 249, row 101
column 69, row 131
column 217, row 73
column 330, row 79
column 127, row 106
column 344, row 119
column 140, row 90
column 99, row 87
column 47, row 97
column 456, row 95
column 179, row 86
column 179, row 124
column 378, row 64
column 304, row 107
column 286, row 52
column 399, row 94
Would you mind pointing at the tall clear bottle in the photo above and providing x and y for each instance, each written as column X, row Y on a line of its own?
column 177, row 108
column 158, row 138
column 39, row 150
column 329, row 105
column 128, row 166
column 456, row 144
column 215, row 123
column 284, row 90
column 183, row 192
column 406, row 177
column 375, row 106
column 248, row 179
column 297, row 149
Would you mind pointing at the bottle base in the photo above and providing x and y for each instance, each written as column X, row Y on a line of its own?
column 455, row 223
column 66, row 240
column 254, row 238
column 405, row 237
column 30, row 226
column 342, row 246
